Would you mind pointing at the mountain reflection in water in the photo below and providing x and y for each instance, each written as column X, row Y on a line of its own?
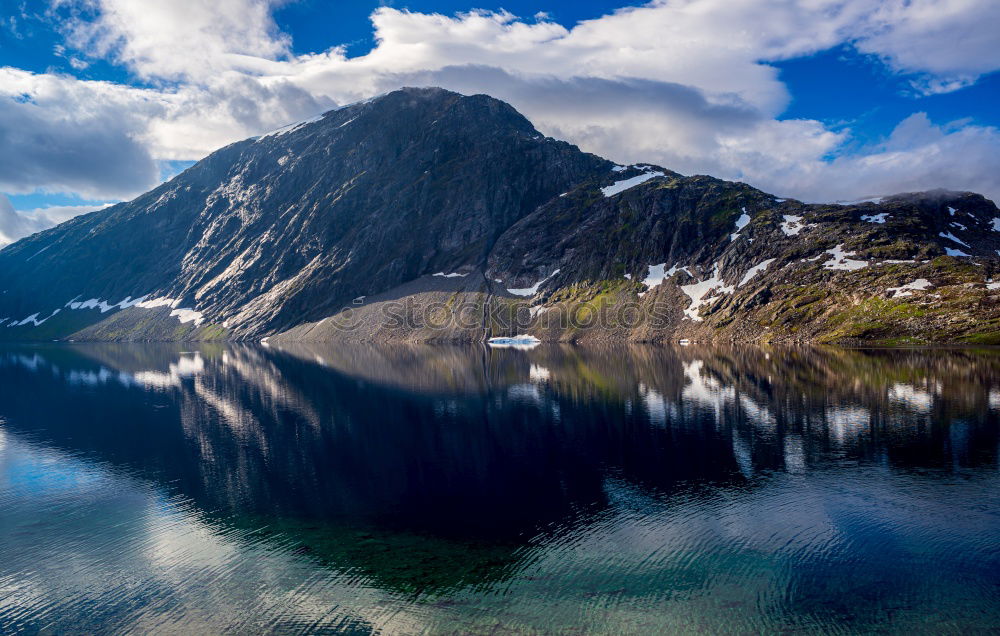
column 467, row 489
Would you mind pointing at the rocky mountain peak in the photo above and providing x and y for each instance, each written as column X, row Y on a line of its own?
column 423, row 203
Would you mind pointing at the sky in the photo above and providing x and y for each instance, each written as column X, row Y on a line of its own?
column 820, row 100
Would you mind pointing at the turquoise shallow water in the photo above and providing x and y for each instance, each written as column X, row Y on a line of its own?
column 201, row 489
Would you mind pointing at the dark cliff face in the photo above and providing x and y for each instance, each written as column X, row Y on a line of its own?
column 363, row 205
column 269, row 232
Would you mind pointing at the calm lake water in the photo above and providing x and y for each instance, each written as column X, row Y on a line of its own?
column 466, row 490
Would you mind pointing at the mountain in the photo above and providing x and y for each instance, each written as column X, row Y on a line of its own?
column 427, row 215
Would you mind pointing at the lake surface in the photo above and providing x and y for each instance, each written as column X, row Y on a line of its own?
column 198, row 488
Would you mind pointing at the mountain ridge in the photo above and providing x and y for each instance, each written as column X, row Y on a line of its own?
column 457, row 204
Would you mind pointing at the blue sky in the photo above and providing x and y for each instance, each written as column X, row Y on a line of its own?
column 821, row 100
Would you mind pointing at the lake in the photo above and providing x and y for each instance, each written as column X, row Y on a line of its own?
column 432, row 489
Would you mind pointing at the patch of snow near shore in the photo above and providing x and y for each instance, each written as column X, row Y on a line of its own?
column 452, row 275
column 33, row 319
column 531, row 291
column 186, row 314
column 656, row 275
column 697, row 292
column 621, row 186
column 753, row 271
column 907, row 290
column 840, row 261
column 183, row 314
column 104, row 306
column 952, row 237
column 159, row 302
column 992, row 285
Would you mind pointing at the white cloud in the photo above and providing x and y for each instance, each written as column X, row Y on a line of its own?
column 684, row 83
column 15, row 225
column 178, row 40
column 65, row 135
column 918, row 155
column 953, row 42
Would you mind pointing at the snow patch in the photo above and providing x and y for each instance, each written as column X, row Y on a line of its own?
column 792, row 225
column 875, row 218
column 452, row 275
column 698, row 292
column 907, row 290
column 840, row 261
column 875, row 200
column 996, row 224
column 656, row 275
column 951, row 252
column 952, row 210
column 952, row 237
column 284, row 130
column 531, row 291
column 621, row 186
column 159, row 302
column 186, row 314
column 183, row 314
column 33, row 319
column 103, row 305
column 740, row 224
column 992, row 285
column 753, row 271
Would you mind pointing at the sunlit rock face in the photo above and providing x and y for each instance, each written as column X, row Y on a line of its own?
column 291, row 226
column 424, row 215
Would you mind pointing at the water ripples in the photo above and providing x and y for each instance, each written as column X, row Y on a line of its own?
column 145, row 490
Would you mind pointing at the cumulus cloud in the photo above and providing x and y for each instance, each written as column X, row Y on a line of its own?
column 950, row 42
column 684, row 83
column 70, row 136
column 176, row 40
column 918, row 155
